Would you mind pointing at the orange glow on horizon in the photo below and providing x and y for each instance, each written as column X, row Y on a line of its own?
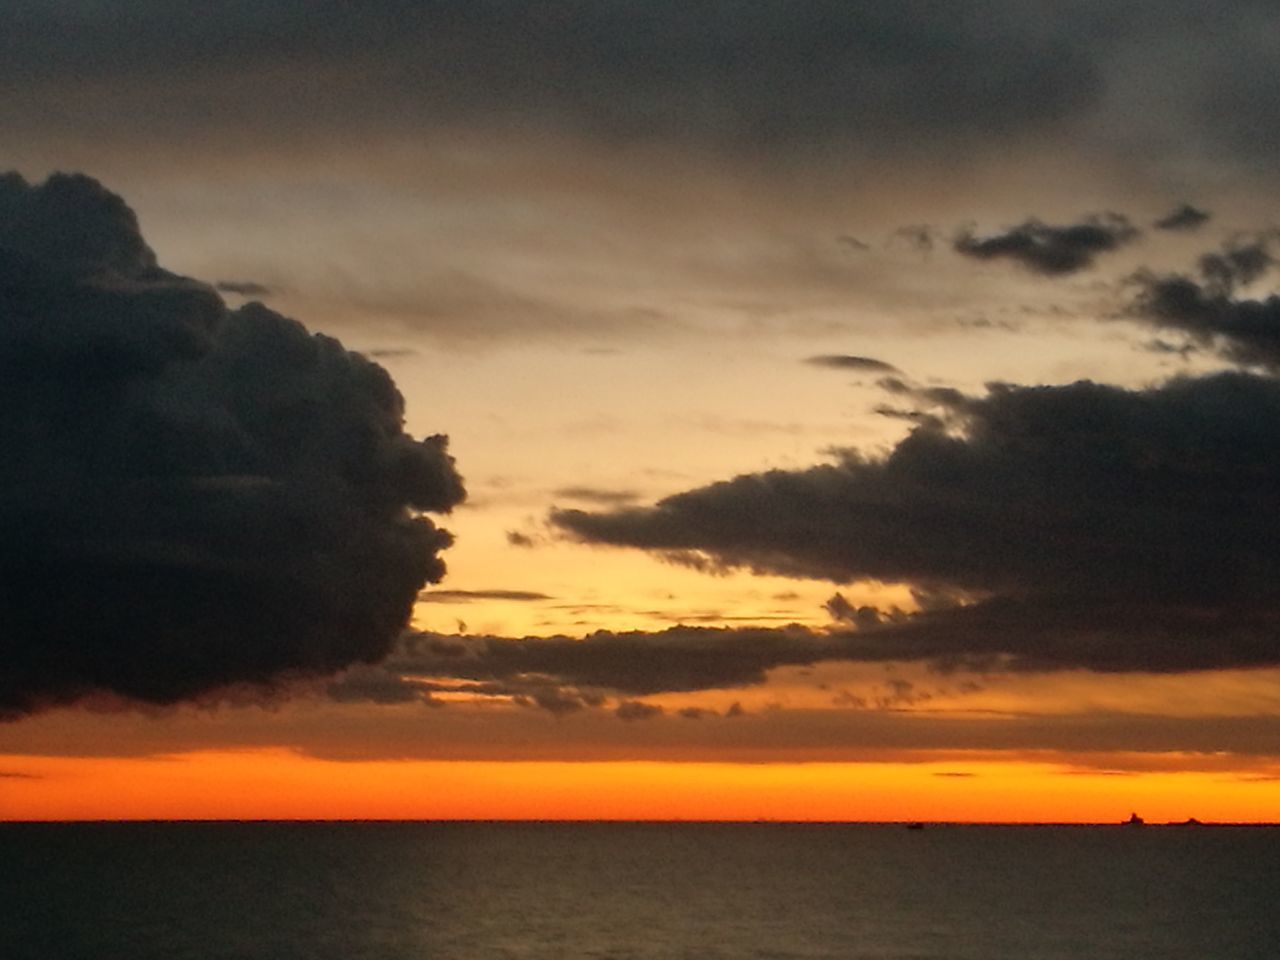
column 279, row 784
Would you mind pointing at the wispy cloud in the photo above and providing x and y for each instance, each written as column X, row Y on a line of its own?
column 470, row 596
column 840, row 361
column 1183, row 217
column 1051, row 250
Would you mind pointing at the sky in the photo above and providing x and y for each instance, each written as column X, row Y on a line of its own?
column 699, row 410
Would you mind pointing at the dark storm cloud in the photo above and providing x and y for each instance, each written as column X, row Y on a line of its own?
column 1046, row 487
column 190, row 496
column 769, row 75
column 1184, row 217
column 848, row 362
column 1098, row 527
column 1043, row 632
column 1048, row 249
column 1246, row 331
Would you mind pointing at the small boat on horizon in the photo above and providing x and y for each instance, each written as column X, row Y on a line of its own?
column 1134, row 821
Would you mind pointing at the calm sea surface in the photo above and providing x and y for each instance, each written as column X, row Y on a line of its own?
column 632, row 891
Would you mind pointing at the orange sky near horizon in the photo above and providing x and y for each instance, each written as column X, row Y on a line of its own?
column 283, row 785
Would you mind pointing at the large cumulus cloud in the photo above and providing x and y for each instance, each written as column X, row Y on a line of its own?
column 190, row 496
column 1084, row 525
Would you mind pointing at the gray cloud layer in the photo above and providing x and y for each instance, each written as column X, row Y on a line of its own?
column 762, row 75
column 190, row 496
column 767, row 78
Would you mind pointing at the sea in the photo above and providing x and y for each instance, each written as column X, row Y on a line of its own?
column 636, row 891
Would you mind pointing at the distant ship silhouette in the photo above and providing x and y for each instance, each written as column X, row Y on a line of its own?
column 1134, row 821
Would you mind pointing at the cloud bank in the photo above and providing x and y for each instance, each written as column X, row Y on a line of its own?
column 1081, row 525
column 190, row 496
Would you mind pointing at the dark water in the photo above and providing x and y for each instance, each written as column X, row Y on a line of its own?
column 632, row 891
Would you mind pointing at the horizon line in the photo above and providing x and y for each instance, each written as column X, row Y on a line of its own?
column 656, row 821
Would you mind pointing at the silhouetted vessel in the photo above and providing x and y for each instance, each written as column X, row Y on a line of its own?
column 1134, row 821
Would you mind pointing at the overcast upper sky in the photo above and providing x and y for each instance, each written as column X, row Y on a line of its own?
column 819, row 379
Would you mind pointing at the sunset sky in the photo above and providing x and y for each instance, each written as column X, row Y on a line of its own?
column 860, row 411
